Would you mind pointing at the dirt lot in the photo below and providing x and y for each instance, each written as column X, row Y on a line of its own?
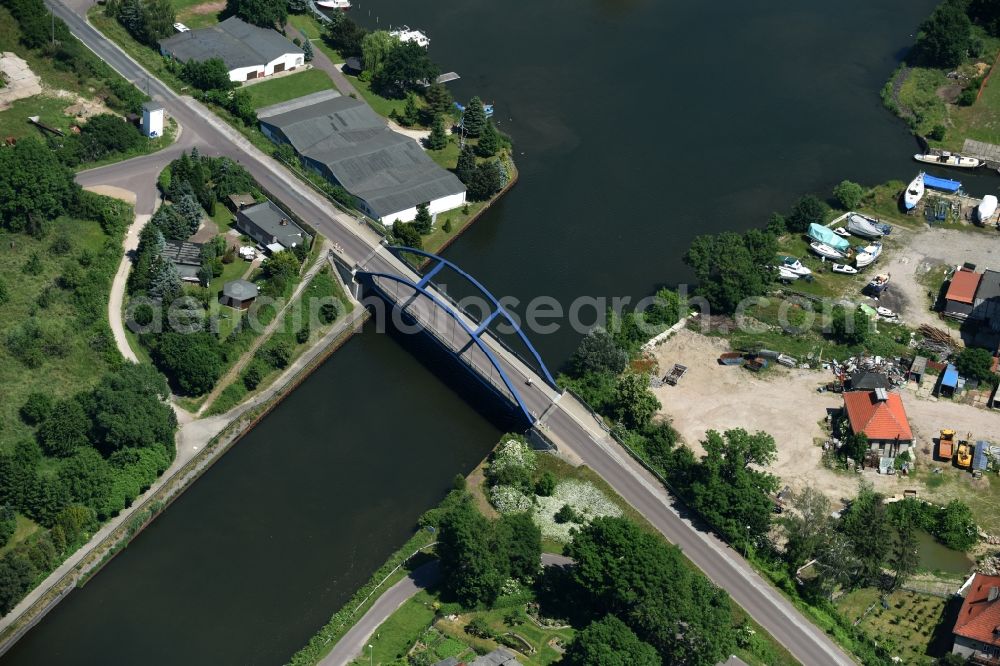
column 785, row 403
column 781, row 402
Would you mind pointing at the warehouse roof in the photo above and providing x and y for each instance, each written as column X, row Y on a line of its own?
column 389, row 171
column 237, row 43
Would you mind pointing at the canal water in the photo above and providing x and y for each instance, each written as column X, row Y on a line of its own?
column 637, row 125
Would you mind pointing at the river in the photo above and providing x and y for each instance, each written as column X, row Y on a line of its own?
column 637, row 125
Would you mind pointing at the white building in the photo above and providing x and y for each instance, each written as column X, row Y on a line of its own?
column 248, row 51
column 152, row 119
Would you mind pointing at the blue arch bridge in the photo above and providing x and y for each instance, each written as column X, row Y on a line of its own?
column 523, row 379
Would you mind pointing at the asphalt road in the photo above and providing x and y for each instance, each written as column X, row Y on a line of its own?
column 563, row 421
column 354, row 642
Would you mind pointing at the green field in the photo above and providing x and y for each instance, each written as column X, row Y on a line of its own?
column 307, row 24
column 288, row 86
column 913, row 623
column 198, row 13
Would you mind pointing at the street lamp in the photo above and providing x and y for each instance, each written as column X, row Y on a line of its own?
column 371, row 655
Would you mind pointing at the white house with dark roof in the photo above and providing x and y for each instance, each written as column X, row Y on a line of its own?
column 346, row 142
column 249, row 52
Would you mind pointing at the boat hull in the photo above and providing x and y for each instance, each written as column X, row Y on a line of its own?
column 861, row 226
column 986, row 208
column 950, row 160
column 825, row 251
column 914, row 192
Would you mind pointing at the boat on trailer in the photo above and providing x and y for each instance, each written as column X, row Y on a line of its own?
column 914, row 192
column 825, row 251
column 862, row 226
column 795, row 266
column 950, row 159
column 787, row 275
column 878, row 283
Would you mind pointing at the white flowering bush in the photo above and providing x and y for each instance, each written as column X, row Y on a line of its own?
column 508, row 499
column 512, row 453
column 585, row 498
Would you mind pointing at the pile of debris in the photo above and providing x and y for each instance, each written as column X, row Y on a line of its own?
column 936, row 341
column 865, row 370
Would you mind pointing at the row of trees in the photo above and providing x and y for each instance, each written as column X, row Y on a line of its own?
column 148, row 21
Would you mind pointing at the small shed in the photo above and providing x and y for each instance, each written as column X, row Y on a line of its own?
column 917, row 369
column 352, row 66
column 949, row 381
column 239, row 294
column 980, row 460
column 238, row 201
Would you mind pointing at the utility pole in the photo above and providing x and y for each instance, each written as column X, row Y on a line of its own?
column 53, row 15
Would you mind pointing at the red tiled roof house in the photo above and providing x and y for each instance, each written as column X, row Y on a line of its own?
column 977, row 629
column 880, row 415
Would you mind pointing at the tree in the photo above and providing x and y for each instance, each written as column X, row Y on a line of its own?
column 904, row 559
column 777, row 225
column 88, row 478
column 211, row 74
column 36, row 408
column 307, row 51
column 466, row 167
column 241, row 104
column 489, row 140
column 634, row 403
column 520, row 542
column 189, row 208
column 609, row 642
column 129, row 409
column 807, row 529
column 987, row 14
column 945, row 36
column 598, row 352
column 645, row 583
column 423, row 222
column 850, row 327
column 264, row 13
column 345, row 35
column 470, row 565
column 546, row 485
column 956, row 527
column 474, row 117
column 34, row 186
column 8, row 524
column 731, row 267
column 375, row 48
column 16, row 576
column 157, row 18
column 438, row 138
column 66, row 429
column 192, row 361
column 866, row 526
column 849, row 194
column 407, row 234
column 487, row 181
column 977, row 363
column 807, row 210
column 164, row 281
column 728, row 490
column 405, row 67
column 439, row 100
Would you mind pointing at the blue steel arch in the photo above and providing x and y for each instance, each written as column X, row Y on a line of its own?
column 498, row 309
column 453, row 313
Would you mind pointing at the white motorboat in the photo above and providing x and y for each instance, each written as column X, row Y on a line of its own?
column 825, row 251
column 404, row 34
column 885, row 312
column 914, row 192
column 845, row 269
column 986, row 208
column 862, row 226
column 795, row 266
column 841, row 231
column 334, row 4
column 950, row 159
column 787, row 275
column 868, row 255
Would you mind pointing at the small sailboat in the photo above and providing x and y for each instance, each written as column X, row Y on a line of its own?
column 986, row 208
column 950, row 159
column 825, row 251
column 914, row 192
column 845, row 269
column 334, row 4
column 867, row 255
column 862, row 226
column 795, row 266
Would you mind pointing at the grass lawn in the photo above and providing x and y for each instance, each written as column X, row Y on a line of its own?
column 289, row 87
column 198, row 13
column 330, row 52
column 24, row 527
column 14, row 121
column 308, row 25
column 382, row 105
column 911, row 623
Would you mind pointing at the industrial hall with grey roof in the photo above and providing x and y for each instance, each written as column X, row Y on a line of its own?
column 343, row 139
